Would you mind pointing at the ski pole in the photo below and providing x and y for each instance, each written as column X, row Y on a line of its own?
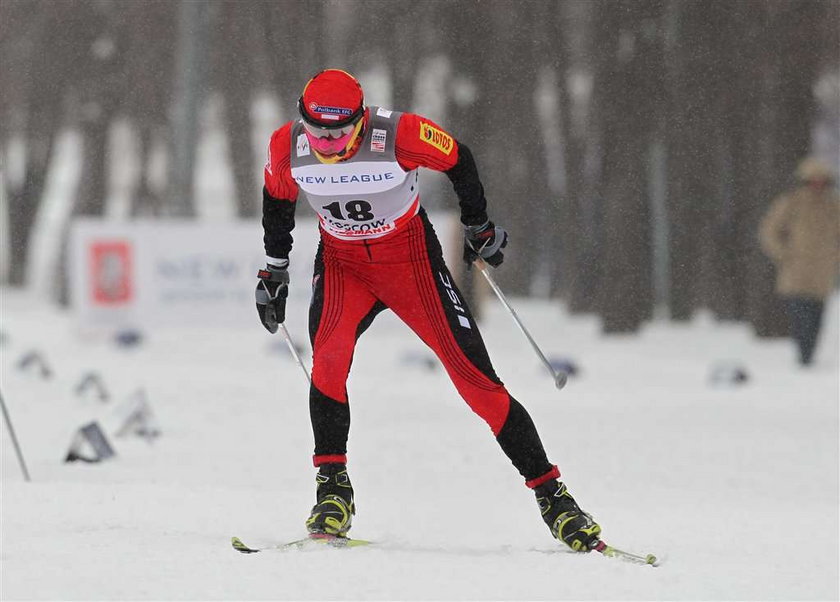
column 14, row 439
column 295, row 354
column 559, row 376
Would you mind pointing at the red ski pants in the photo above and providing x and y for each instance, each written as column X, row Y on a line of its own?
column 354, row 281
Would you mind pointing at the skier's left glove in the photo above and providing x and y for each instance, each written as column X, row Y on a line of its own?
column 271, row 293
column 486, row 241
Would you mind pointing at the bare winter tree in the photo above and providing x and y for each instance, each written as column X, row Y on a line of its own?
column 150, row 30
column 628, row 86
column 234, row 75
column 571, row 274
column 293, row 33
column 99, row 85
column 45, row 45
column 515, row 182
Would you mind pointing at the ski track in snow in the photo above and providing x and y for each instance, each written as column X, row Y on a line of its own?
column 736, row 488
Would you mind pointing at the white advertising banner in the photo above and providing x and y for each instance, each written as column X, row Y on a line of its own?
column 170, row 272
column 152, row 272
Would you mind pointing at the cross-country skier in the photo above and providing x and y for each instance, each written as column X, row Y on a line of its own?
column 357, row 167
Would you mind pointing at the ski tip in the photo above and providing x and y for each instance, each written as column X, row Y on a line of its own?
column 241, row 547
column 607, row 550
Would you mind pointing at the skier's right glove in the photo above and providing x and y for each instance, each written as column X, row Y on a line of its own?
column 271, row 293
column 486, row 241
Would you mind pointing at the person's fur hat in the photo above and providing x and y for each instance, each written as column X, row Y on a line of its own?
column 812, row 169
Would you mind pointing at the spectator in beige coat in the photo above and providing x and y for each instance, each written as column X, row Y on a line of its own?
column 801, row 234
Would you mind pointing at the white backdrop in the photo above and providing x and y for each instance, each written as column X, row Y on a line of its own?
column 148, row 273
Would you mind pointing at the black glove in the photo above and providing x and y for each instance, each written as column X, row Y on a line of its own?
column 272, row 290
column 486, row 241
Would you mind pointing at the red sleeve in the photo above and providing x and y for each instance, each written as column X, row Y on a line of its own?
column 278, row 172
column 421, row 142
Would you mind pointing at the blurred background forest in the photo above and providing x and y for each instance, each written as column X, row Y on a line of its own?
column 629, row 146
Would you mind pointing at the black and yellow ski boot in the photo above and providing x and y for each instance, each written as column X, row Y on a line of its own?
column 564, row 518
column 334, row 508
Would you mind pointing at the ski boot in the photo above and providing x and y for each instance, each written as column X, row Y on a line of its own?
column 334, row 508
column 564, row 518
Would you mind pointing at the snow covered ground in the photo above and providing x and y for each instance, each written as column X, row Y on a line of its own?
column 735, row 488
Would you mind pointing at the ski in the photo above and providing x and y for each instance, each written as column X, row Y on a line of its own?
column 332, row 541
column 611, row 552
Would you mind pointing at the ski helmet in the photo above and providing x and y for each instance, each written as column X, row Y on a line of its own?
column 331, row 107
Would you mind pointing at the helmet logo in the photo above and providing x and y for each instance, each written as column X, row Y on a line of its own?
column 327, row 112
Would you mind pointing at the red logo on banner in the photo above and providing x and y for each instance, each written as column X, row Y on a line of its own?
column 111, row 271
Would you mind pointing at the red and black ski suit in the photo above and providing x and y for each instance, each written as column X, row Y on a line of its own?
column 379, row 251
